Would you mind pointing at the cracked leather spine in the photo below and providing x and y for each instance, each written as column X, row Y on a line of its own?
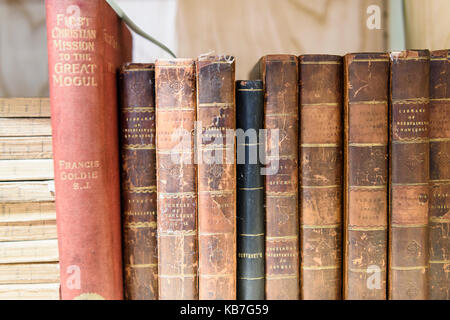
column 280, row 76
column 138, row 160
column 320, row 172
column 216, row 152
column 366, row 175
column 439, row 285
column 409, row 174
column 177, row 179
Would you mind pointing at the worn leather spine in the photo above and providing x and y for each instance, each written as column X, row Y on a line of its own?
column 280, row 76
column 409, row 174
column 439, row 263
column 87, row 44
column 216, row 177
column 366, row 175
column 250, row 191
column 320, row 172
column 177, row 179
column 138, row 163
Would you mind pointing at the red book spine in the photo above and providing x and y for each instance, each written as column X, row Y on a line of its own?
column 86, row 44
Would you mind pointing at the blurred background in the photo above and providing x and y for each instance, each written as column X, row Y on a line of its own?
column 247, row 29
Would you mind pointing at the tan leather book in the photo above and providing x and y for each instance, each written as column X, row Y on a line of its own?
column 177, row 179
column 280, row 76
column 216, row 116
column 439, row 286
column 409, row 174
column 320, row 174
column 138, row 162
column 366, row 80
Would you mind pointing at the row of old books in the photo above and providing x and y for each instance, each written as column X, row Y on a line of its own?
column 327, row 178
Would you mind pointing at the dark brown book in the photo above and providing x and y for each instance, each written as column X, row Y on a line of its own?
column 409, row 174
column 366, row 94
column 138, row 160
column 216, row 116
column 280, row 76
column 177, row 179
column 439, row 286
column 320, row 174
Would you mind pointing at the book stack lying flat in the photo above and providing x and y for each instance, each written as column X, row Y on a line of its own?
column 28, row 242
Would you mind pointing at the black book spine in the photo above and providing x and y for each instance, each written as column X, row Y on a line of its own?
column 250, row 193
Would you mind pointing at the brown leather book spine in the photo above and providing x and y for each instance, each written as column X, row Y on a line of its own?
column 409, row 174
column 280, row 76
column 320, row 174
column 87, row 44
column 439, row 263
column 366, row 94
column 216, row 113
column 138, row 162
column 177, row 179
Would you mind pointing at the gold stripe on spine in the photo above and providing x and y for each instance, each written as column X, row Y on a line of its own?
column 408, row 268
column 422, row 100
column 250, row 279
column 411, row 184
column 353, row 228
column 139, row 147
column 251, row 189
column 141, row 189
column 381, row 102
column 216, row 104
column 326, row 104
column 439, row 99
column 411, row 141
column 422, row 225
column 367, row 144
column 177, row 233
column 140, row 225
column 368, row 187
column 320, row 187
column 362, row 270
column 320, row 145
column 321, row 267
column 318, row 62
column 370, row 60
column 439, row 220
column 138, row 109
column 141, row 266
column 440, row 140
column 282, row 238
column 325, row 226
column 252, row 235
column 439, row 261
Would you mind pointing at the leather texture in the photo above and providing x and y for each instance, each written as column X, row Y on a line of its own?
column 138, row 163
column 177, row 179
column 439, row 285
column 250, row 192
column 366, row 175
column 320, row 172
column 216, row 113
column 409, row 175
column 280, row 76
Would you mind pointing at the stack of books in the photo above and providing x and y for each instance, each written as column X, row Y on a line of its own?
column 325, row 177
column 28, row 240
